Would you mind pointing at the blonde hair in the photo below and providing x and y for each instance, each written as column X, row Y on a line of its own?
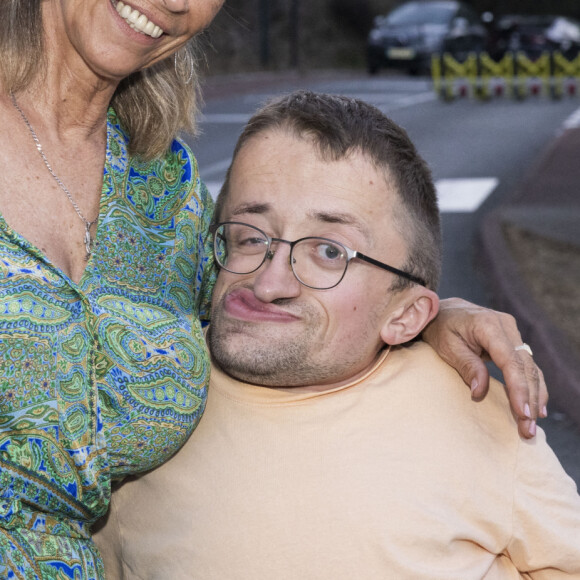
column 153, row 104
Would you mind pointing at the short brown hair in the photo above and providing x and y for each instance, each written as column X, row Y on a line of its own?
column 153, row 104
column 340, row 125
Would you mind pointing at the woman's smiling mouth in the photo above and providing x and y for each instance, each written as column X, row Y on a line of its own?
column 138, row 21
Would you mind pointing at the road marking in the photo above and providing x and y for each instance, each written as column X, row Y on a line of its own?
column 225, row 118
column 393, row 102
column 573, row 121
column 385, row 102
column 464, row 195
column 455, row 195
column 387, row 96
column 417, row 99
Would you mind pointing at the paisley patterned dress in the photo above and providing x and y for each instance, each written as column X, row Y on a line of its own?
column 106, row 377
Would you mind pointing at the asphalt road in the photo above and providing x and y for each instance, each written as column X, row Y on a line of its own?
column 478, row 153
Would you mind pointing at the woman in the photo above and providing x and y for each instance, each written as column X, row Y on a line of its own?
column 103, row 281
column 105, row 271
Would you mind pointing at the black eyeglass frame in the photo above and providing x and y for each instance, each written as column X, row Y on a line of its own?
column 350, row 255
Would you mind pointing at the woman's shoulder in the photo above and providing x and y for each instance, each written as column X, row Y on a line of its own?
column 177, row 162
column 175, row 167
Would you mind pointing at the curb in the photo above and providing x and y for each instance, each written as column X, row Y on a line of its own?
column 552, row 351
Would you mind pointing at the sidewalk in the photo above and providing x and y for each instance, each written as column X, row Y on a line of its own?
column 546, row 204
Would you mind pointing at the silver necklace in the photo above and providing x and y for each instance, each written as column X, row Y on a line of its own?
column 88, row 240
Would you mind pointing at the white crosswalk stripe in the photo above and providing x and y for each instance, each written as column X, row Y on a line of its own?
column 387, row 102
column 573, row 121
column 464, row 195
column 225, row 118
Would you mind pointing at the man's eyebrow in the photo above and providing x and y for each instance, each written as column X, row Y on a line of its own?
column 327, row 217
column 341, row 218
column 251, row 208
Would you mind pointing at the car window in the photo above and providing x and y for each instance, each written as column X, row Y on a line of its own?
column 416, row 13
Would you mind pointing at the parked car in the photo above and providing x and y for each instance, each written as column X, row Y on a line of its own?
column 535, row 35
column 408, row 36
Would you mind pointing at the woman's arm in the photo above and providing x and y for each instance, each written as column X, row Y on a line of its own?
column 465, row 335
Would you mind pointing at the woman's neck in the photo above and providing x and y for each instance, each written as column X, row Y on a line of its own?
column 68, row 98
column 66, row 110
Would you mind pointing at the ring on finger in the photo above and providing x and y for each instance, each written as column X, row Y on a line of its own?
column 525, row 347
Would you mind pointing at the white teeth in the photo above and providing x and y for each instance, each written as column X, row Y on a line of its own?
column 138, row 21
column 133, row 17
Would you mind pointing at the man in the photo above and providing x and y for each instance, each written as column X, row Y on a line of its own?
column 324, row 453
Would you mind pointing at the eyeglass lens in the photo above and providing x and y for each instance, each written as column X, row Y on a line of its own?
column 316, row 262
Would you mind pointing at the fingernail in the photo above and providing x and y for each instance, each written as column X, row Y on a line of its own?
column 474, row 385
column 527, row 411
column 532, row 429
column 544, row 412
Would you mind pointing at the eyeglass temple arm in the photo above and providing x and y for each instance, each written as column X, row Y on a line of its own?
column 391, row 269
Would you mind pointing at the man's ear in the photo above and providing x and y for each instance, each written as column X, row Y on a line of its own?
column 416, row 308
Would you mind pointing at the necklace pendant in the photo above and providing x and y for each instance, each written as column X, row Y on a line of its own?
column 88, row 241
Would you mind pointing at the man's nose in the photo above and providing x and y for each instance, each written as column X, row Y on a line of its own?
column 275, row 278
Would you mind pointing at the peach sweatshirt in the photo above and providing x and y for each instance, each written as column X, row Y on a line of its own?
column 398, row 475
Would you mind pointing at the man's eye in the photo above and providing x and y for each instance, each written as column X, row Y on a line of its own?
column 249, row 244
column 251, row 241
column 329, row 252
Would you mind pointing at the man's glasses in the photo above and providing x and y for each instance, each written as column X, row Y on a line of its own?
column 317, row 263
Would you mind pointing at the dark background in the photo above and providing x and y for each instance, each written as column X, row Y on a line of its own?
column 252, row 35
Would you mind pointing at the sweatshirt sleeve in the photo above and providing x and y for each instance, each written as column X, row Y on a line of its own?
column 545, row 543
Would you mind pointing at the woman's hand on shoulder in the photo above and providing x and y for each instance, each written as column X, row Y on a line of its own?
column 466, row 335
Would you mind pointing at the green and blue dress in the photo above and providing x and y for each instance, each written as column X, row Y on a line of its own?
column 103, row 378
